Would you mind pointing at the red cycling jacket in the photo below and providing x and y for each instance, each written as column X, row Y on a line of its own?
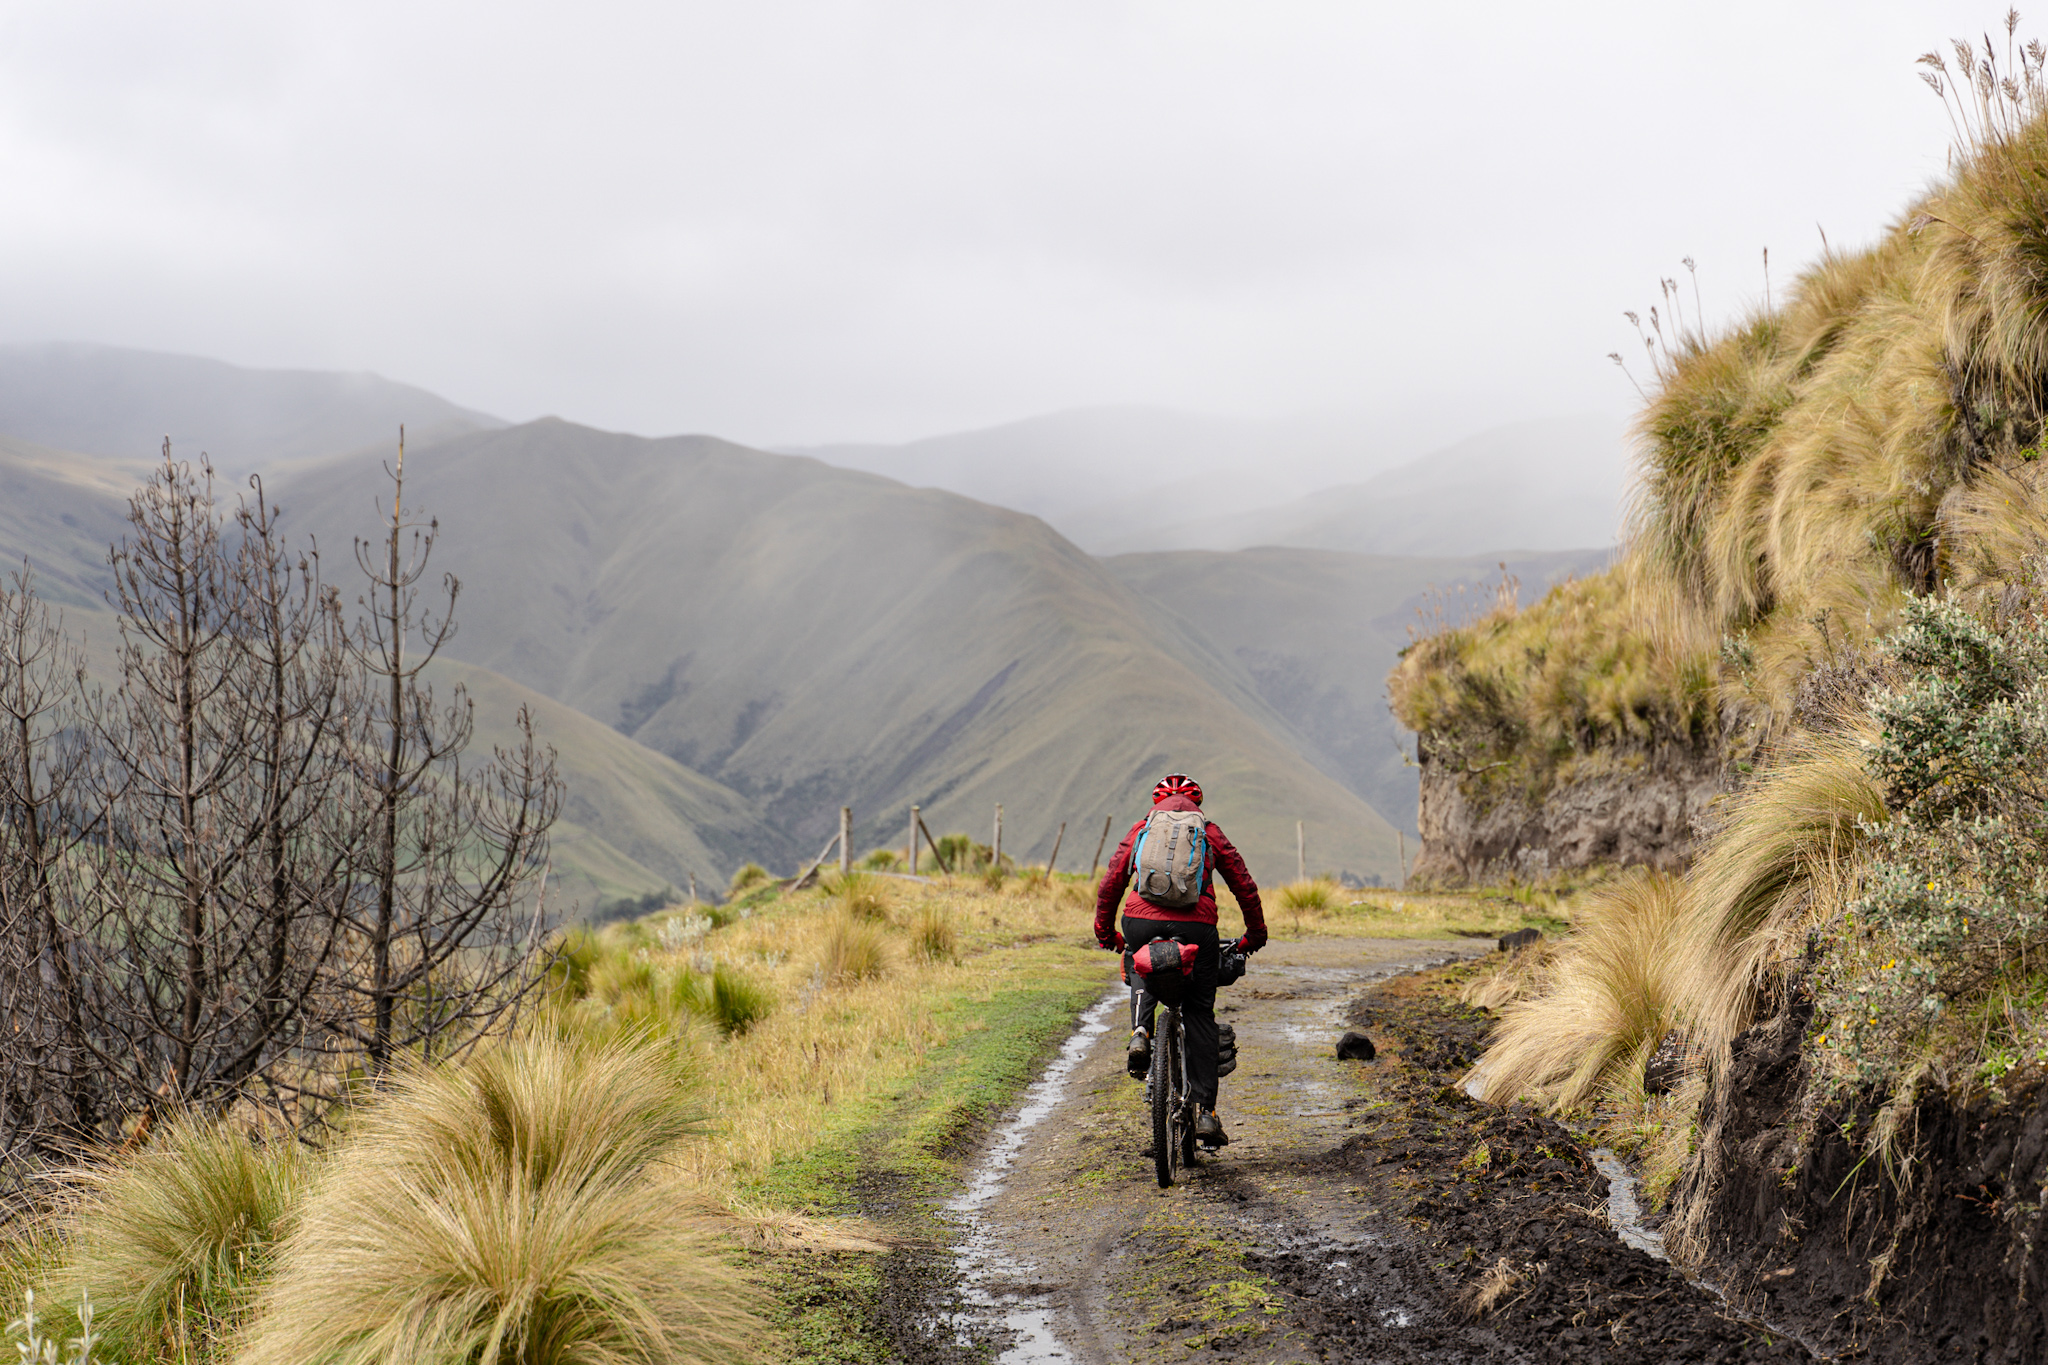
column 1223, row 857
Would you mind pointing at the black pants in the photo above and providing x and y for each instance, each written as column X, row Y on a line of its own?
column 1198, row 1004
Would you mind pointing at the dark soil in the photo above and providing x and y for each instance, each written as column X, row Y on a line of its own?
column 1508, row 1195
column 1936, row 1259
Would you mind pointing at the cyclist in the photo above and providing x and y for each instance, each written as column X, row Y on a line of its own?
column 1145, row 920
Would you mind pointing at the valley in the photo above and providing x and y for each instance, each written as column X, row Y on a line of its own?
column 768, row 637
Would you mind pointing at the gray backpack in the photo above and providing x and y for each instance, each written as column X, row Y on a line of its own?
column 1171, row 855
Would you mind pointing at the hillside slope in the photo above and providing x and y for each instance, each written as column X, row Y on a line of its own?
column 813, row 637
column 120, row 403
column 632, row 820
column 1316, row 632
column 1552, row 484
column 60, row 511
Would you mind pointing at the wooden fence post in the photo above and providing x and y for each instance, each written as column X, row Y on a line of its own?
column 693, row 888
column 995, row 857
column 1101, row 844
column 1300, row 854
column 803, row 878
column 938, row 854
column 1055, row 850
column 910, row 850
column 1401, row 842
column 845, row 840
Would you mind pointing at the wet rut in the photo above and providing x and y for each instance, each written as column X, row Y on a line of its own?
column 1358, row 1213
column 1068, row 1239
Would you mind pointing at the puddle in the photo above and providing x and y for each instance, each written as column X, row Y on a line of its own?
column 1625, row 1213
column 1027, row 1317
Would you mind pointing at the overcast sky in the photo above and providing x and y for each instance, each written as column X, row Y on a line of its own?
column 845, row 221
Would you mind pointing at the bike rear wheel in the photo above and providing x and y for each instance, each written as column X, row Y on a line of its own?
column 1166, row 1088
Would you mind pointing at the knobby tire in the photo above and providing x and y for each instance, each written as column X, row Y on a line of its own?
column 1165, row 1145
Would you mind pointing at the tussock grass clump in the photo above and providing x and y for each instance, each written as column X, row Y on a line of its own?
column 932, row 935
column 513, row 1208
column 749, row 877
column 1614, row 992
column 736, row 1000
column 1525, row 975
column 1801, row 475
column 172, row 1241
column 853, row 950
column 1783, row 861
column 861, row 897
column 1311, row 899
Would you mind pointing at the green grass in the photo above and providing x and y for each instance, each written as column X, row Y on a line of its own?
column 886, row 1156
column 172, row 1242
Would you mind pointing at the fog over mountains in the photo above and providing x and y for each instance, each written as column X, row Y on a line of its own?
column 727, row 644
column 1115, row 480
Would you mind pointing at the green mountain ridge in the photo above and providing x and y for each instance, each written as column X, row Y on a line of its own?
column 1317, row 631
column 725, row 645
column 812, row 637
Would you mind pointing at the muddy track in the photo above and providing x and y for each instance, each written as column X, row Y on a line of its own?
column 1357, row 1209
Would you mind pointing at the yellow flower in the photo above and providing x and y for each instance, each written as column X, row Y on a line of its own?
column 1893, row 963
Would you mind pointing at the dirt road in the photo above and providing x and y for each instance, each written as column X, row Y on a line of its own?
column 1354, row 1209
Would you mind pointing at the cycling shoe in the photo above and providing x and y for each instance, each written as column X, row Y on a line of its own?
column 1138, row 1059
column 1209, row 1130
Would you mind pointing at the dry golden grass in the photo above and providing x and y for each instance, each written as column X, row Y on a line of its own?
column 1800, row 474
column 1378, row 912
column 515, row 1207
column 1311, row 901
column 853, row 950
column 1783, row 860
column 1608, row 660
column 1486, row 1293
column 932, row 935
column 1524, row 975
column 1612, row 993
column 835, row 1038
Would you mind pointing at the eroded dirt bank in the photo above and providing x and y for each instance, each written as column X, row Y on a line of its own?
column 1358, row 1213
column 1934, row 1257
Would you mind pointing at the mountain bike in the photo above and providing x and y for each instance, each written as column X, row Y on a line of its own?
column 1166, row 1087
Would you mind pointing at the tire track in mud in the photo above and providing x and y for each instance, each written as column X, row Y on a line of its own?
column 1355, row 1213
column 1072, row 1244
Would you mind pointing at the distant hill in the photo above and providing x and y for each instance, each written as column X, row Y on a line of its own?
column 61, row 511
column 1553, row 484
column 1316, row 632
column 726, row 644
column 811, row 636
column 632, row 820
column 121, row 403
column 1096, row 473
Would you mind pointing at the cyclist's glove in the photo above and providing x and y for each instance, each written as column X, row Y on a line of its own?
column 1247, row 945
column 1114, row 943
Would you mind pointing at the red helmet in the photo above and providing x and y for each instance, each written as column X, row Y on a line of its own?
column 1177, row 784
